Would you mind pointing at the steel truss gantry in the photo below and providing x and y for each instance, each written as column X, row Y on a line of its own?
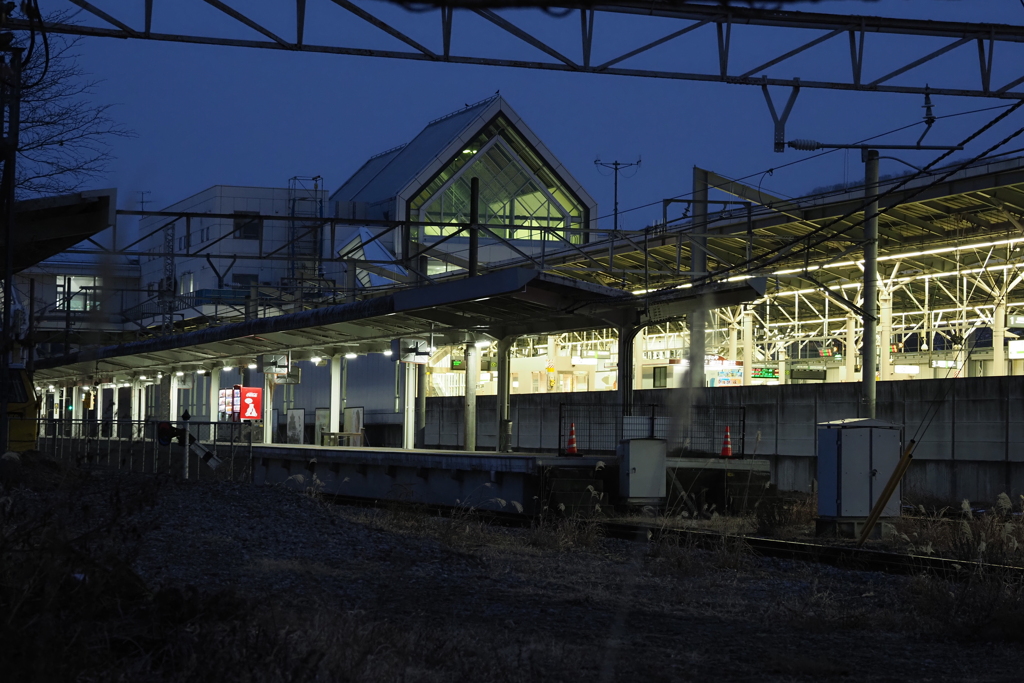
column 582, row 40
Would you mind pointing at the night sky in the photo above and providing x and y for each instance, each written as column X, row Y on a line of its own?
column 207, row 115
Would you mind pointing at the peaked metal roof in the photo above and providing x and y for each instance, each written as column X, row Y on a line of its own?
column 384, row 176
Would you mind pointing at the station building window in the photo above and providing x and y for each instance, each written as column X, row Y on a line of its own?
column 78, row 293
column 247, row 225
column 520, row 197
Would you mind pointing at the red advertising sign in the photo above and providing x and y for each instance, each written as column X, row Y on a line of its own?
column 252, row 403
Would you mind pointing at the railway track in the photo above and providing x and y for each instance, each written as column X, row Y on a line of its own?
column 845, row 557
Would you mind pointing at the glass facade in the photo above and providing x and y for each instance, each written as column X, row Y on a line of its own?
column 520, row 196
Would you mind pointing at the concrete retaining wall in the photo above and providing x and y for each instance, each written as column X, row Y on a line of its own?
column 972, row 446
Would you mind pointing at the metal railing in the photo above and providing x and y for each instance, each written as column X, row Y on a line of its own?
column 600, row 428
column 195, row 450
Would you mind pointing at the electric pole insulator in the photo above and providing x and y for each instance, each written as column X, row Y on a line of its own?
column 805, row 145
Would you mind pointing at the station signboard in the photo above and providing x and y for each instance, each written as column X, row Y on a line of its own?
column 764, row 373
column 1015, row 349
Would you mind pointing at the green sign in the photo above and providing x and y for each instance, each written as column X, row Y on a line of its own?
column 765, row 373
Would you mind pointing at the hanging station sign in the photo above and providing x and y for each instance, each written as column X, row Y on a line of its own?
column 1015, row 349
column 764, row 373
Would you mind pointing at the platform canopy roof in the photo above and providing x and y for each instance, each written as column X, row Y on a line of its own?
column 46, row 226
column 511, row 302
column 930, row 229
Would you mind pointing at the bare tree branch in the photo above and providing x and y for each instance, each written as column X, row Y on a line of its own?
column 64, row 138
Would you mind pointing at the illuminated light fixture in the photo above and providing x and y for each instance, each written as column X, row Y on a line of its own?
column 159, row 375
column 142, row 377
column 483, row 344
column 180, row 373
column 201, row 371
column 85, row 388
column 52, row 388
column 252, row 366
column 228, row 368
column 315, row 360
column 351, row 354
column 125, row 385
column 469, row 151
column 387, row 352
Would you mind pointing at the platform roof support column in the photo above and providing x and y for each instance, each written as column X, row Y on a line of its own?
column 696, row 320
column 172, row 397
column 76, row 410
column 214, row 374
column 624, row 370
column 99, row 403
column 408, row 380
column 885, row 335
column 850, row 352
column 269, row 423
column 782, row 366
column 999, row 338
column 165, row 387
column 115, row 409
column 469, row 410
column 639, row 344
column 734, row 332
column 748, row 346
column 869, row 347
column 421, row 405
column 337, row 416
column 504, row 394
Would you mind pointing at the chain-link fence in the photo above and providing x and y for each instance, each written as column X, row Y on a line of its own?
column 191, row 450
column 598, row 429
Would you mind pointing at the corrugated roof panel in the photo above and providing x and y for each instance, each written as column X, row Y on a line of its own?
column 366, row 173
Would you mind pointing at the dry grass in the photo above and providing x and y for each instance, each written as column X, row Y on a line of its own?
column 996, row 537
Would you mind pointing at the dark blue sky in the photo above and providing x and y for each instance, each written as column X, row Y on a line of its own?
column 216, row 115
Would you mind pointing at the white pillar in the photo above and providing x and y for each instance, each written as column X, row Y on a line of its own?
column 76, row 411
column 469, row 408
column 116, row 416
column 269, row 425
column 999, row 338
column 99, row 403
column 214, row 392
column 639, row 346
column 733, row 340
column 409, row 373
column 748, row 347
column 337, row 418
column 885, row 335
column 173, row 400
column 851, row 347
column 782, row 367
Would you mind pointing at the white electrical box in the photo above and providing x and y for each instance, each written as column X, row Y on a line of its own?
column 856, row 458
column 642, row 470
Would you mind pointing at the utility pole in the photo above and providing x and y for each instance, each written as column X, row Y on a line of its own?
column 10, row 103
column 615, row 167
column 869, row 346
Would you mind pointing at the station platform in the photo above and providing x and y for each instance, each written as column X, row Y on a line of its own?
column 520, row 483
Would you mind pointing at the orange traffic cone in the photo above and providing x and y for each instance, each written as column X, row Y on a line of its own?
column 570, row 448
column 727, row 444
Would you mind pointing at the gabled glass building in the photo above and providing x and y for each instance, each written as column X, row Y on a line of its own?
column 526, row 194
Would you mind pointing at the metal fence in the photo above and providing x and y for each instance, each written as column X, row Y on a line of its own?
column 194, row 450
column 599, row 428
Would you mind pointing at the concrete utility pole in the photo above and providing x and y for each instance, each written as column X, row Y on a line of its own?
column 474, row 226
column 748, row 346
column 698, row 270
column 870, row 345
column 11, row 111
